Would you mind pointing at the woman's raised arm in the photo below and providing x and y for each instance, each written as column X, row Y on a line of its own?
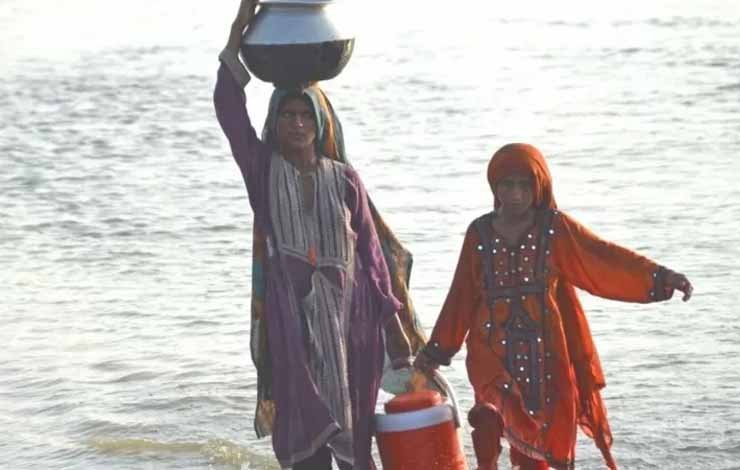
column 230, row 102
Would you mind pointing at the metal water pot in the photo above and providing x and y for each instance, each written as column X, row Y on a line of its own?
column 291, row 42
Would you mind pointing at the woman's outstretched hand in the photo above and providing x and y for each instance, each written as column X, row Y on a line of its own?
column 679, row 282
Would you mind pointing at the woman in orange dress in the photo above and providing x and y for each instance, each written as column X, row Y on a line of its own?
column 531, row 358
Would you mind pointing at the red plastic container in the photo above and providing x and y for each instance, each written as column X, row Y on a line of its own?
column 418, row 432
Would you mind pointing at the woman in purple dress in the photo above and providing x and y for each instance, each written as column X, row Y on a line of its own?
column 323, row 296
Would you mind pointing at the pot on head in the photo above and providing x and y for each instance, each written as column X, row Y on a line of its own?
column 292, row 42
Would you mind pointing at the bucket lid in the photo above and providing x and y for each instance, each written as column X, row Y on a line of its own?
column 413, row 401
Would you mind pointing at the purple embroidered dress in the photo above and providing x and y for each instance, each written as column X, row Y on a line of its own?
column 328, row 291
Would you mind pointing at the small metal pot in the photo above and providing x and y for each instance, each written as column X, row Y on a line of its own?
column 291, row 42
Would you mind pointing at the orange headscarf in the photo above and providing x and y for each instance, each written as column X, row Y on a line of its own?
column 522, row 158
column 526, row 159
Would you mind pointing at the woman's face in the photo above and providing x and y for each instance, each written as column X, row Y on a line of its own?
column 515, row 193
column 296, row 125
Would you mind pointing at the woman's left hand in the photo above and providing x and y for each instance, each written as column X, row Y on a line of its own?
column 679, row 282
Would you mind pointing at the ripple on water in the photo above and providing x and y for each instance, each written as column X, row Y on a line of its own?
column 136, row 377
column 213, row 451
column 111, row 365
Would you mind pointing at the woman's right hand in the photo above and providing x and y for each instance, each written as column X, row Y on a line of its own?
column 244, row 15
column 424, row 363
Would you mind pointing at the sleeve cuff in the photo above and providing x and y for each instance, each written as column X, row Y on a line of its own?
column 432, row 351
column 230, row 59
column 659, row 291
column 390, row 307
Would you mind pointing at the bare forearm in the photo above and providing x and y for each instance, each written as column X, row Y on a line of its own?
column 393, row 327
column 397, row 344
column 234, row 39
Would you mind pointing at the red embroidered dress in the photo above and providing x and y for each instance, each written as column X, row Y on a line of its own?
column 530, row 353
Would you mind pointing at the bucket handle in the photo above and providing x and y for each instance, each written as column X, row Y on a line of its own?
column 440, row 381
